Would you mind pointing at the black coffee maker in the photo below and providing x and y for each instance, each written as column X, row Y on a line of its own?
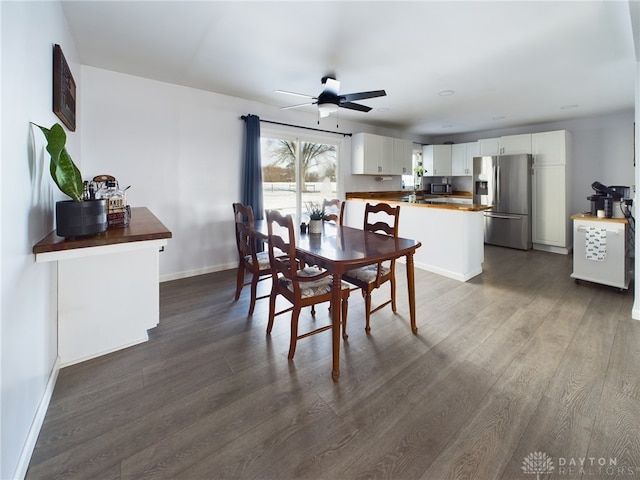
column 606, row 197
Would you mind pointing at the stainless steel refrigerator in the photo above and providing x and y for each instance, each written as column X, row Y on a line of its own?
column 504, row 181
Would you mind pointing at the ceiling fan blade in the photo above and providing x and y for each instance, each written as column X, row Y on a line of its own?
column 349, row 97
column 303, row 95
column 331, row 85
column 355, row 106
column 299, row 105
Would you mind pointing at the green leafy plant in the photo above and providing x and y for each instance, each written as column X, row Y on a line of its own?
column 64, row 172
column 315, row 211
column 419, row 170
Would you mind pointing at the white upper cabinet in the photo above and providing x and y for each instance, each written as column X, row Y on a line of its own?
column 513, row 144
column 462, row 158
column 489, row 146
column 403, row 156
column 507, row 145
column 379, row 155
column 549, row 148
column 366, row 154
column 436, row 160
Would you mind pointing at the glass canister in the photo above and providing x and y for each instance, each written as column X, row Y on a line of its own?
column 117, row 211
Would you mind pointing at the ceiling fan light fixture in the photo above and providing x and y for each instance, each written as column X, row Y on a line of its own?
column 326, row 109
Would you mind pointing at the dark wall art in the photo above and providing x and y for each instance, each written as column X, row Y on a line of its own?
column 64, row 90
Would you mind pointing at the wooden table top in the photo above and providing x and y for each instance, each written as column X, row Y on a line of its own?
column 340, row 247
column 144, row 225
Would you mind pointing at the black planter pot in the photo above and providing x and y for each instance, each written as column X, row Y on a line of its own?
column 81, row 219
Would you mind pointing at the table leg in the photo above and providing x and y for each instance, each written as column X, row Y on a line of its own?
column 335, row 325
column 412, row 292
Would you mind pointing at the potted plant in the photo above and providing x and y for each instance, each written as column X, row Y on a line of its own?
column 316, row 216
column 77, row 217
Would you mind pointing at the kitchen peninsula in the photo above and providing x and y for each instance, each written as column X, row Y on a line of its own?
column 450, row 228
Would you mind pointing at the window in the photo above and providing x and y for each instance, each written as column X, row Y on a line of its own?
column 297, row 171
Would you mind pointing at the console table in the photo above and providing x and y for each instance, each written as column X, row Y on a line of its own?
column 108, row 286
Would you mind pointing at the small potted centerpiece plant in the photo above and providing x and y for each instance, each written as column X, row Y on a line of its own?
column 79, row 216
column 316, row 217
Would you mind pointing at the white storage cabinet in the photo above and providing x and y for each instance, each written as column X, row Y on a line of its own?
column 551, row 227
column 462, row 158
column 614, row 268
column 379, row 155
column 436, row 160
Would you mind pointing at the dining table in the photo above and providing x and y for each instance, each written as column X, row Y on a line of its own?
column 338, row 249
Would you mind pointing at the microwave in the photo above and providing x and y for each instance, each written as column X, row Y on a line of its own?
column 441, row 188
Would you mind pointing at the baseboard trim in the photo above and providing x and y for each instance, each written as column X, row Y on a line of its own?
column 197, row 271
column 551, row 249
column 36, row 425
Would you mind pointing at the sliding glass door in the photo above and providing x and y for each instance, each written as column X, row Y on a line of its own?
column 297, row 171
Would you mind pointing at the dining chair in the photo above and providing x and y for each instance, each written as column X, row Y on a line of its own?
column 335, row 207
column 249, row 259
column 380, row 217
column 302, row 287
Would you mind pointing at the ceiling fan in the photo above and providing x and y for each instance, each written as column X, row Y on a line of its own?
column 328, row 101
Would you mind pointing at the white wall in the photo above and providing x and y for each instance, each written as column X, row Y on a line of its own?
column 181, row 151
column 28, row 290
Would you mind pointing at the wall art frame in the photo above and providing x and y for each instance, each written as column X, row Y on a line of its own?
column 64, row 90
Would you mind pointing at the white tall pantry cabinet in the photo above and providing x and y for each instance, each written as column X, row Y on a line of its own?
column 551, row 224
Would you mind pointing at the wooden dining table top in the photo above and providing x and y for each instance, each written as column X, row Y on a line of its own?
column 345, row 247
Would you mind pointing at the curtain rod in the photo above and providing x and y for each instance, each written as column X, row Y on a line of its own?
column 299, row 126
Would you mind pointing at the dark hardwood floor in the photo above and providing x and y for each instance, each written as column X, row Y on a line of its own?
column 516, row 361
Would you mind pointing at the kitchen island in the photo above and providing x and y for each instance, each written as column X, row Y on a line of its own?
column 450, row 228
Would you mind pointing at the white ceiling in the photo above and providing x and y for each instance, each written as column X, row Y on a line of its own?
column 509, row 63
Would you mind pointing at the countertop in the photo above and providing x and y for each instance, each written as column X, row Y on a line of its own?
column 453, row 201
column 593, row 218
column 143, row 226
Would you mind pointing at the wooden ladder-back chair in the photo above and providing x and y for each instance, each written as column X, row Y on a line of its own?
column 250, row 260
column 301, row 287
column 370, row 277
column 335, row 209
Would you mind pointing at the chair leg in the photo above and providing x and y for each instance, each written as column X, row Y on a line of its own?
column 295, row 314
column 254, row 291
column 393, row 293
column 345, row 309
column 367, row 309
column 239, row 280
column 272, row 311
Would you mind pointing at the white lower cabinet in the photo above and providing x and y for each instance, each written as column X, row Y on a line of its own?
column 600, row 252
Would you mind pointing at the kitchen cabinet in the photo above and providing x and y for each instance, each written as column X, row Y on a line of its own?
column 462, row 158
column 551, row 227
column 489, row 146
column 549, row 148
column 514, row 144
column 380, row 155
column 403, row 156
column 436, row 160
column 607, row 260
column 506, row 145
